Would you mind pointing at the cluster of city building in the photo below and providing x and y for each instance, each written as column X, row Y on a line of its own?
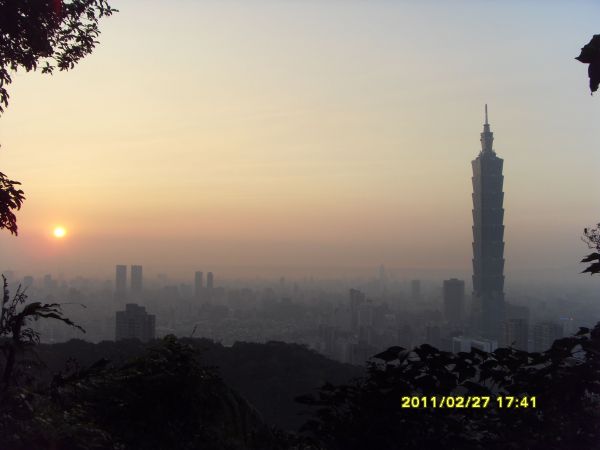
column 352, row 335
column 347, row 322
column 134, row 322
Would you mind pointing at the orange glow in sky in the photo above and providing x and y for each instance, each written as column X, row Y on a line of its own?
column 305, row 135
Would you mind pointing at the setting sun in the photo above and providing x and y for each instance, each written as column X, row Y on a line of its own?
column 59, row 232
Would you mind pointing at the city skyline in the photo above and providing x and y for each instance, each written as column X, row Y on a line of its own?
column 273, row 154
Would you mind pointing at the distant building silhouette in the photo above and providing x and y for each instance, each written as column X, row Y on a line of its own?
column 465, row 344
column 121, row 280
column 488, row 235
column 454, row 300
column 415, row 289
column 27, row 281
column 357, row 298
column 568, row 326
column 365, row 322
column 433, row 336
column 136, row 279
column 513, row 311
column 516, row 333
column 515, row 329
column 210, row 280
column 135, row 323
column 198, row 284
column 544, row 334
column 49, row 283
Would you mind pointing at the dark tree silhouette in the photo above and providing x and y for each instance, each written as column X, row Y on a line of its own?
column 41, row 34
column 592, row 238
column 16, row 332
column 370, row 414
column 590, row 54
column 46, row 34
column 11, row 199
column 164, row 398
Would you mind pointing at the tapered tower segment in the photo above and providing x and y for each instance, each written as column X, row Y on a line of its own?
column 488, row 237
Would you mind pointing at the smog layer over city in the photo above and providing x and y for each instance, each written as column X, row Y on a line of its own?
column 309, row 225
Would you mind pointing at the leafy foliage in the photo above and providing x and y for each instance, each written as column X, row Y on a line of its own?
column 25, row 415
column 590, row 54
column 151, row 402
column 592, row 238
column 368, row 412
column 268, row 375
column 166, row 397
column 11, row 199
column 163, row 399
column 17, row 336
column 271, row 375
column 46, row 33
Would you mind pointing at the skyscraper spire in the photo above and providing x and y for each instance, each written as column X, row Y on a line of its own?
column 487, row 137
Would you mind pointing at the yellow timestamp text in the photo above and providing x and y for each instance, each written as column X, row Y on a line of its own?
column 483, row 401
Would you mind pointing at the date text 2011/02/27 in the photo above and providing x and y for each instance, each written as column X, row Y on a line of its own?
column 506, row 401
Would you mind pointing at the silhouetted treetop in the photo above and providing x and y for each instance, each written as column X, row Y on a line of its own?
column 11, row 199
column 590, row 54
column 369, row 413
column 46, row 34
column 592, row 238
column 16, row 332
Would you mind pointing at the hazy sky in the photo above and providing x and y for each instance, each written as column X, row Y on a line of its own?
column 215, row 134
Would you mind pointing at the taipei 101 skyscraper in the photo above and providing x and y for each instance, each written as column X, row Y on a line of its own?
column 488, row 238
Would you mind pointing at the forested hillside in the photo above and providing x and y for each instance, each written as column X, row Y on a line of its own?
column 268, row 375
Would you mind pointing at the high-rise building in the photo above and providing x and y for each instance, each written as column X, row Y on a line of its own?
column 488, row 235
column 210, row 280
column 454, row 300
column 365, row 322
column 514, row 311
column 465, row 344
column 198, row 284
column 27, row 281
column 433, row 336
column 135, row 323
column 357, row 298
column 544, row 334
column 568, row 326
column 136, row 279
column 516, row 333
column 415, row 289
column 121, row 280
column 49, row 282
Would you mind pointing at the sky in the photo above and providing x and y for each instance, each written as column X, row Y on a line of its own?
column 306, row 137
